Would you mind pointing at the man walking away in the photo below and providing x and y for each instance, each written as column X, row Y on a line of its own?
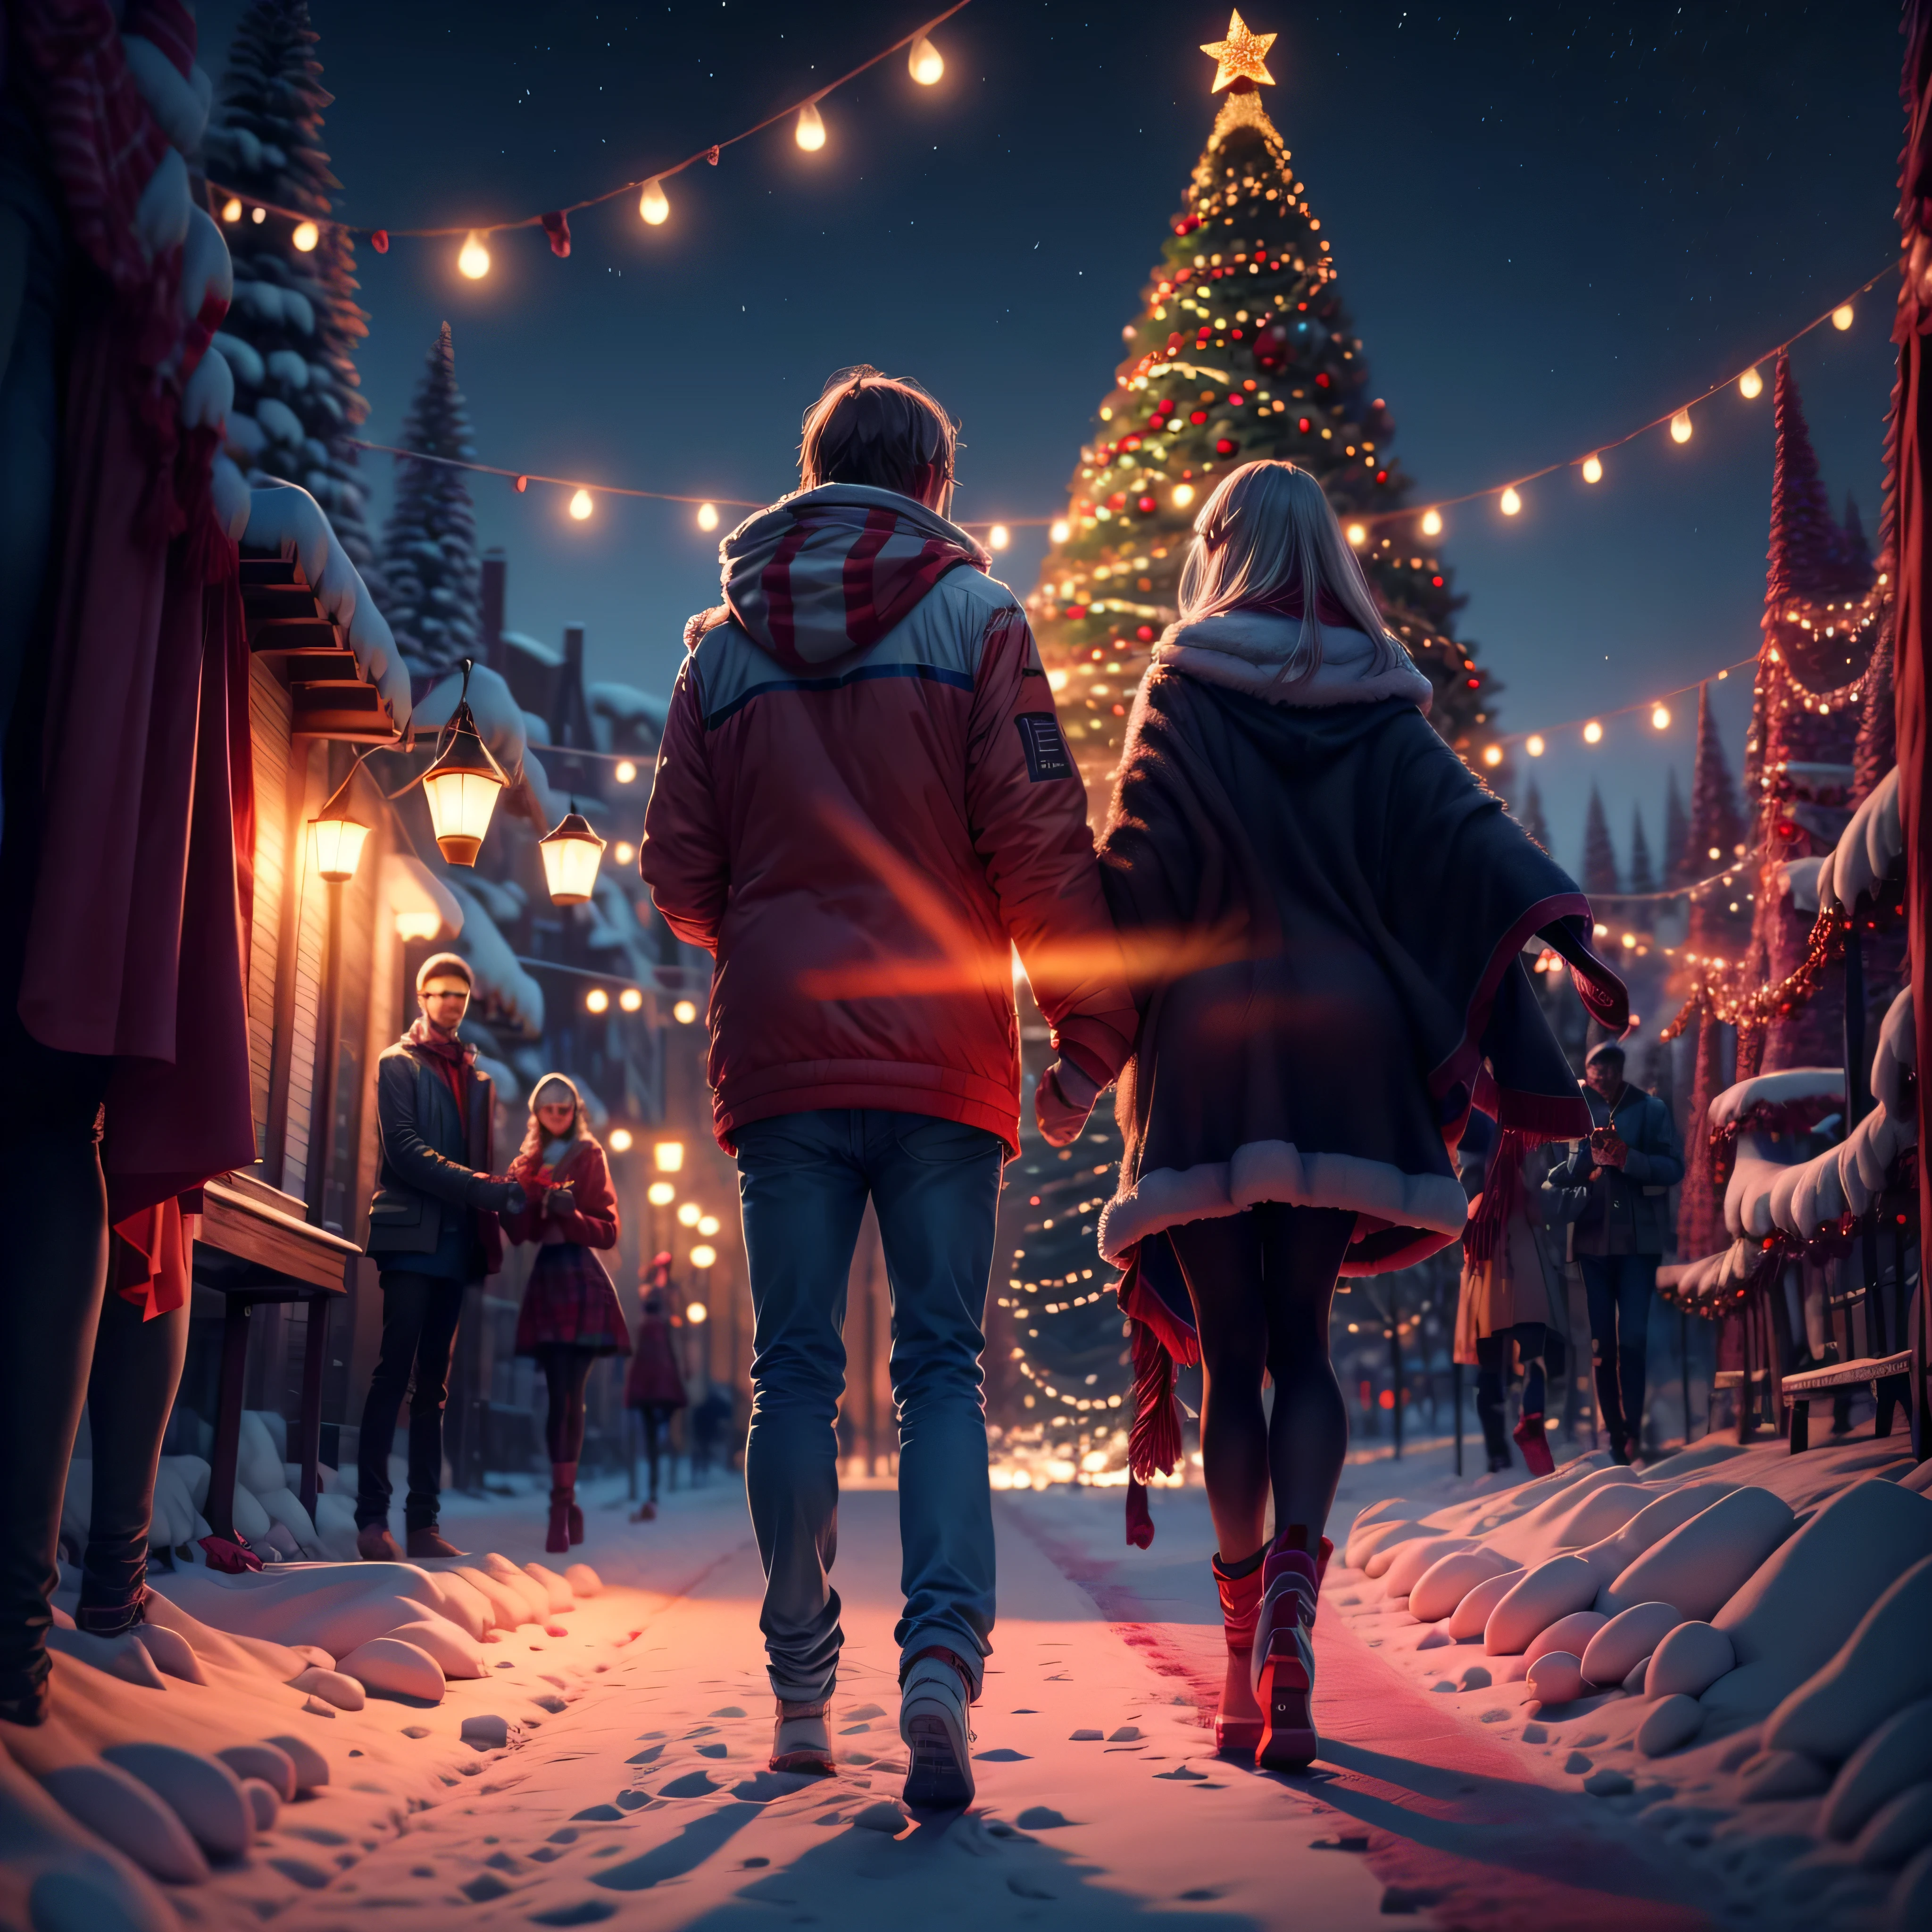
column 1629, row 1164
column 433, row 1228
column 864, row 803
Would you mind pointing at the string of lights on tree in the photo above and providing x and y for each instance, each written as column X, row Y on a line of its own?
column 924, row 62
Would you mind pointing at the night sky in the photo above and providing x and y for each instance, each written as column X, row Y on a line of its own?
column 1553, row 222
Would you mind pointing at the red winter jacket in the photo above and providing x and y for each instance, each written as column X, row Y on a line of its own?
column 863, row 802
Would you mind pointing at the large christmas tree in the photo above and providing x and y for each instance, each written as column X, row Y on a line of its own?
column 290, row 336
column 429, row 544
column 1242, row 350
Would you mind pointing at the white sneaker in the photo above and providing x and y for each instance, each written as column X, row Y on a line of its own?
column 801, row 1740
column 934, row 1703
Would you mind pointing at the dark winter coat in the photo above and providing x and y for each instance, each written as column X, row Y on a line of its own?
column 1628, row 1210
column 1324, row 910
column 863, row 804
column 431, row 1161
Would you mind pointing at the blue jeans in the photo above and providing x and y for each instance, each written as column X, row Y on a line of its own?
column 803, row 1179
column 1618, row 1287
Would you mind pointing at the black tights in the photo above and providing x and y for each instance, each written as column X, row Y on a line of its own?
column 566, row 1369
column 654, row 1420
column 1262, row 1282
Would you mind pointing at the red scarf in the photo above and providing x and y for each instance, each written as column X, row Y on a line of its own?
column 1502, row 1190
column 454, row 1060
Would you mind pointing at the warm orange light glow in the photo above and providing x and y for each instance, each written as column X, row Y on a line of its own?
column 1432, row 523
column 1593, row 469
column 1511, row 502
column 1492, row 755
column 1357, row 534
column 689, row 1214
column 660, row 1193
column 697, row 1314
column 306, row 236
column 669, row 1156
column 631, row 1000
column 581, row 506
column 684, row 1011
column 998, row 537
column 1680, row 426
column 1841, row 317
column 621, row 1140
column 1660, row 716
column 703, row 1255
column 810, row 133
column 654, row 204
column 1058, row 529
column 707, row 516
column 626, row 773
column 335, row 846
column 1751, row 384
column 597, row 1001
column 1593, row 733
column 572, row 853
column 1533, row 745
column 231, row 209
column 709, row 1225
column 473, row 259
column 924, row 62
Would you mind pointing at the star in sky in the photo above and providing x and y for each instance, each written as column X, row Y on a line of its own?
column 1242, row 56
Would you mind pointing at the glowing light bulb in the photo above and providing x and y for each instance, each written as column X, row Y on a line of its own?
column 707, row 516
column 1432, row 523
column 810, row 134
column 1841, row 317
column 1751, row 384
column 697, row 1314
column 631, row 1000
column 306, row 236
column 472, row 259
column 689, row 1214
column 660, row 1193
column 1593, row 733
column 581, row 506
column 1056, row 680
column 626, row 773
column 1492, row 755
column 597, row 1001
column 654, row 204
column 1058, row 530
column 1680, row 426
column 1511, row 502
column 1660, row 716
column 623, row 851
column 621, row 1140
column 702, row 1256
column 1357, row 534
column 258, row 216
column 1182, row 495
column 709, row 1225
column 1593, row 469
column 684, row 1011
column 998, row 537
column 1533, row 745
column 231, row 209
column 924, row 63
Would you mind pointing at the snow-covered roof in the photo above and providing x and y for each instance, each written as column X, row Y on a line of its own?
column 625, row 704
column 544, row 653
column 1712, row 1274
column 1800, row 1198
column 1798, row 877
column 1777, row 1090
column 1871, row 848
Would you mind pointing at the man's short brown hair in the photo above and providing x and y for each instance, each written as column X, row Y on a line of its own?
column 881, row 430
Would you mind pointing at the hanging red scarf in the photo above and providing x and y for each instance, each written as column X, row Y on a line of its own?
column 453, row 1059
column 1502, row 1192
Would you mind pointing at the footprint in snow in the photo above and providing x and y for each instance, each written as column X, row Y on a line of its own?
column 1083, row 1737
column 1180, row 1773
column 711, row 1750
column 1001, row 1756
column 726, row 1710
column 867, row 1710
column 1042, row 1818
column 692, row 1784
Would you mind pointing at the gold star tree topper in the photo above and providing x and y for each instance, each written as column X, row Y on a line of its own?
column 1242, row 56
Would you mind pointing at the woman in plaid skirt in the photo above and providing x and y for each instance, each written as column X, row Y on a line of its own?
column 570, row 1315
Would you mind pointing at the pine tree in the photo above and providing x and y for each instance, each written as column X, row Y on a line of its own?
column 1531, row 818
column 1243, row 350
column 290, row 336
column 1676, row 836
column 1599, row 856
column 1717, row 839
column 429, row 544
column 1641, row 878
column 1877, row 751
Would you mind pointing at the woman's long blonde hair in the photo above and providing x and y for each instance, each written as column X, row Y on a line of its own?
column 534, row 1135
column 1267, row 533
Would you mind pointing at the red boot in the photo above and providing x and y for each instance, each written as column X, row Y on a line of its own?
column 1534, row 1445
column 562, row 1508
column 1284, row 1656
column 1238, row 1723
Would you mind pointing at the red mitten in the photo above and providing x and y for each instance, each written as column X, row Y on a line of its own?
column 1062, row 1102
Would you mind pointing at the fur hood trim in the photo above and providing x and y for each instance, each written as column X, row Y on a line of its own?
column 1244, row 649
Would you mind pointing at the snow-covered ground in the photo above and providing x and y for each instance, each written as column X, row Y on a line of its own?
column 607, row 1759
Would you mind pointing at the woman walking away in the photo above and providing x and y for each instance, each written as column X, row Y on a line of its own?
column 570, row 1315
column 654, row 1384
column 1322, row 910
column 1512, row 1302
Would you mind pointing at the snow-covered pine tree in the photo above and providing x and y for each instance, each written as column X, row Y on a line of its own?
column 1531, row 818
column 429, row 544
column 1676, row 837
column 1242, row 350
column 290, row 336
column 1641, row 878
column 1717, row 839
column 1600, row 877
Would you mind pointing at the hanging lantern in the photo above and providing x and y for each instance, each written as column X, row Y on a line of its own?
column 336, row 835
column 925, row 62
column 1751, row 384
column 462, row 786
column 1680, row 426
column 810, row 133
column 570, row 856
column 654, row 204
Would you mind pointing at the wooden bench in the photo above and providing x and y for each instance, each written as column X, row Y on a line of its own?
column 1889, row 1377
column 1751, row 1396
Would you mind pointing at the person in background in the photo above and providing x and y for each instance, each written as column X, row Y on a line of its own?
column 863, row 804
column 570, row 1315
column 1511, row 1307
column 432, row 1230
column 1628, row 1165
column 654, row 1386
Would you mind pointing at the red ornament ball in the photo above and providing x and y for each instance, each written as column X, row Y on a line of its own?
column 379, row 240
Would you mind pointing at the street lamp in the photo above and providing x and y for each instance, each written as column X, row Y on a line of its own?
column 669, row 1156
column 462, row 786
column 336, row 835
column 571, row 854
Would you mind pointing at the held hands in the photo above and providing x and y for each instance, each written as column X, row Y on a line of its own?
column 516, row 1200
column 1608, row 1148
column 1062, row 1102
column 560, row 1201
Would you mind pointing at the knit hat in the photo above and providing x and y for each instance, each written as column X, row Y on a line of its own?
column 444, row 965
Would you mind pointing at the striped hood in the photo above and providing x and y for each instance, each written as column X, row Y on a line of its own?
column 830, row 571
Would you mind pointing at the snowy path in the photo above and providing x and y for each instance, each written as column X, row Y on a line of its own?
column 645, row 1801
